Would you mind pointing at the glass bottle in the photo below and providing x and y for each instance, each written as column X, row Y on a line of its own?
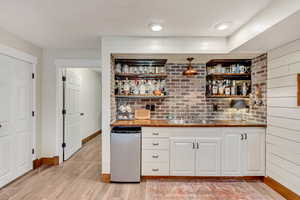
column 142, row 88
column 126, row 87
column 244, row 89
column 233, row 88
column 214, row 88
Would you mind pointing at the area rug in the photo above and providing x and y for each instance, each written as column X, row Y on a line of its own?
column 200, row 190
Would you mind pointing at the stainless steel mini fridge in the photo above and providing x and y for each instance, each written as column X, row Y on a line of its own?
column 125, row 160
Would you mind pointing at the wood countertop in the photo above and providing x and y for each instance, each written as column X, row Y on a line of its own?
column 181, row 123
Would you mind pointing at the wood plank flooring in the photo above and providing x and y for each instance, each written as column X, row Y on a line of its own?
column 79, row 179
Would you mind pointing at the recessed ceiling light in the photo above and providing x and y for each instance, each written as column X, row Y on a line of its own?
column 156, row 27
column 222, row 26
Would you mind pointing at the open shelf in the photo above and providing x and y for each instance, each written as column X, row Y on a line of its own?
column 140, row 96
column 228, row 62
column 226, row 96
column 231, row 76
column 145, row 76
column 143, row 62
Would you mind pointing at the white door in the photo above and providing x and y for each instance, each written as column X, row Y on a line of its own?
column 182, row 157
column 254, row 153
column 208, row 157
column 72, row 117
column 15, row 118
column 232, row 153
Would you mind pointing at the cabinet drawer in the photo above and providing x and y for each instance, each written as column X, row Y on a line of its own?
column 155, row 169
column 155, row 132
column 155, row 156
column 155, row 143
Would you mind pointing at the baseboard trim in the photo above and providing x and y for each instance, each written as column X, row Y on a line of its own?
column 105, row 178
column 50, row 161
column 245, row 178
column 281, row 189
column 85, row 140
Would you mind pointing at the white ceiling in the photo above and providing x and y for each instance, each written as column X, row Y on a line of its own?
column 79, row 23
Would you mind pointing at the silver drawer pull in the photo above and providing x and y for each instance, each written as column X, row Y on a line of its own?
column 155, row 143
column 155, row 170
column 155, row 156
column 155, row 133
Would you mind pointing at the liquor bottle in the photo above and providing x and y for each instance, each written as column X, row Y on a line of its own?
column 233, row 88
column 214, row 88
column 221, row 88
column 244, row 89
column 126, row 87
column 142, row 88
column 227, row 88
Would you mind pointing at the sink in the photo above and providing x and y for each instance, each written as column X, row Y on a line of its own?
column 181, row 121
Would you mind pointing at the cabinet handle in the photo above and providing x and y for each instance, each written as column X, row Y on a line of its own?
column 155, row 156
column 246, row 136
column 155, row 170
column 242, row 136
column 155, row 143
column 155, row 133
column 197, row 145
column 0, row 126
column 193, row 145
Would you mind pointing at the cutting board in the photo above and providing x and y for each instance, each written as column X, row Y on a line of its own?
column 142, row 114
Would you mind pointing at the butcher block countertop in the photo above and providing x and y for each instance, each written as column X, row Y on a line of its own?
column 182, row 123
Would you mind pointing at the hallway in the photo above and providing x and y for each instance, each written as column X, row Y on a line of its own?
column 79, row 179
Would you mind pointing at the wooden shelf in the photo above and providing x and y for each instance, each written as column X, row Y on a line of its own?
column 226, row 96
column 232, row 76
column 140, row 96
column 228, row 62
column 146, row 76
column 144, row 62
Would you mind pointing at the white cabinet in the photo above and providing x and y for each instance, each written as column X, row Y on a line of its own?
column 229, row 151
column 195, row 156
column 155, row 152
column 243, row 152
column 208, row 157
column 254, row 153
column 232, row 153
column 182, row 156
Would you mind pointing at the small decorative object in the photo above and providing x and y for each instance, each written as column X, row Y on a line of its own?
column 256, row 96
column 157, row 92
column 190, row 71
column 238, row 104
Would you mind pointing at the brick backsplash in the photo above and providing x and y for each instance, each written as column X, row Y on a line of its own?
column 187, row 98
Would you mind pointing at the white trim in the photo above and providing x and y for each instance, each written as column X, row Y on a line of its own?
column 8, row 51
column 20, row 55
column 60, row 65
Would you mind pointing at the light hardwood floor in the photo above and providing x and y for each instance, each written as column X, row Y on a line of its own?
column 79, row 179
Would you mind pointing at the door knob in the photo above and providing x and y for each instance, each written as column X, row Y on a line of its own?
column 81, row 114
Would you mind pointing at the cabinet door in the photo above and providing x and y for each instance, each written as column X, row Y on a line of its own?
column 232, row 153
column 208, row 157
column 254, row 153
column 182, row 157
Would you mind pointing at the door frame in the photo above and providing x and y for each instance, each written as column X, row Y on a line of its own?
column 60, row 65
column 20, row 55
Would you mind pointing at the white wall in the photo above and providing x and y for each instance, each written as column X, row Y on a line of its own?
column 15, row 42
column 283, row 132
column 50, row 146
column 90, row 101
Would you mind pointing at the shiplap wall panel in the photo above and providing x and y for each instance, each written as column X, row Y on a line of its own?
column 289, row 134
column 282, row 81
column 293, row 113
column 285, row 102
column 283, row 131
column 282, row 91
